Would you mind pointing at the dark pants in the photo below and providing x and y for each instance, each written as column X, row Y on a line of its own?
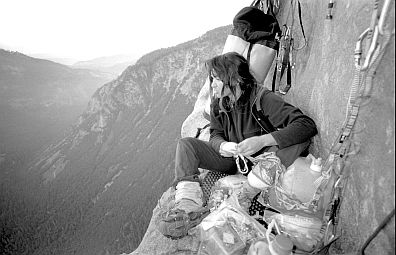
column 192, row 153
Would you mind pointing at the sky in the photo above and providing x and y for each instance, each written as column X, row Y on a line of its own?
column 87, row 29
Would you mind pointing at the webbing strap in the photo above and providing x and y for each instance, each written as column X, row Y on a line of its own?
column 249, row 52
column 284, row 90
column 270, row 6
column 259, row 115
column 283, row 62
column 200, row 129
column 301, row 24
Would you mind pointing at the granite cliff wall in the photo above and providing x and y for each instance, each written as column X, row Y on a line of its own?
column 324, row 74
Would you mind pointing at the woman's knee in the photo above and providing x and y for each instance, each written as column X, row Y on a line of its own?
column 187, row 140
column 185, row 143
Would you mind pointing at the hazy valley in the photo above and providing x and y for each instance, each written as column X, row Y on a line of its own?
column 92, row 190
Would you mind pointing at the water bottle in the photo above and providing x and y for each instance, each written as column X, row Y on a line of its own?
column 278, row 245
column 303, row 177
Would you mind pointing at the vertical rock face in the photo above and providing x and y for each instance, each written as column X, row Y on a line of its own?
column 322, row 79
column 324, row 74
column 96, row 187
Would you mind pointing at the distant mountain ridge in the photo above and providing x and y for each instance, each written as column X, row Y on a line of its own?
column 25, row 80
column 61, row 60
column 111, row 64
column 103, row 178
column 107, row 60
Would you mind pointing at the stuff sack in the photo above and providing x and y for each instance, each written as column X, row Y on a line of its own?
column 254, row 36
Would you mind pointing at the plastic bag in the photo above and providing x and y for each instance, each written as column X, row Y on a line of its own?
column 303, row 230
column 228, row 229
column 222, row 240
column 264, row 170
column 228, row 185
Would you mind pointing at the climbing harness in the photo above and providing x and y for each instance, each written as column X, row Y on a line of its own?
column 284, row 60
column 360, row 89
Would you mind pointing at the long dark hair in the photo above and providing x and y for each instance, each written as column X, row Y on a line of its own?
column 233, row 70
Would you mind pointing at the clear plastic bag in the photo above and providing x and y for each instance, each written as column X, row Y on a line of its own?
column 304, row 231
column 228, row 230
column 228, row 185
column 221, row 240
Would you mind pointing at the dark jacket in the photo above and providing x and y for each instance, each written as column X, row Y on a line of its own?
column 293, row 127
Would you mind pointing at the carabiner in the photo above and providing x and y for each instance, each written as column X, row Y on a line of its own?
column 287, row 31
column 373, row 47
column 276, row 3
column 326, row 233
column 358, row 47
column 337, row 183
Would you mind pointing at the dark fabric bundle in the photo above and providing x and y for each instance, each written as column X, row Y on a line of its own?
column 254, row 26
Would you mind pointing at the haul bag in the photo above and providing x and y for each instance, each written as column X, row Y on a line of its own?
column 254, row 36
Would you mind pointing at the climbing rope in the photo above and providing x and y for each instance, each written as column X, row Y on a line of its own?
column 293, row 11
column 377, row 230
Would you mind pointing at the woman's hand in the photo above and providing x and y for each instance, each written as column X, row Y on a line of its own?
column 228, row 149
column 253, row 144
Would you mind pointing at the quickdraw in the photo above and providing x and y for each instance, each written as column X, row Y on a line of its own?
column 285, row 60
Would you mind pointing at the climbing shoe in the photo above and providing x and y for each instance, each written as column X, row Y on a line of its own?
column 176, row 223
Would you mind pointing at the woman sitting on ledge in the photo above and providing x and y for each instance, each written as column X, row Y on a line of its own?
column 234, row 130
